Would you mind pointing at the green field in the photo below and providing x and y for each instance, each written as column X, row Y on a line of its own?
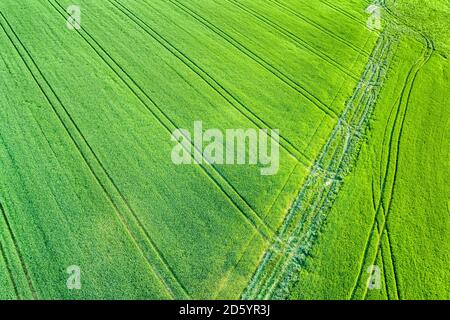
column 87, row 179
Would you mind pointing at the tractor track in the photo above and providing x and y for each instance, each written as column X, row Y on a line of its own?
column 6, row 260
column 247, row 247
column 19, row 254
column 236, row 103
column 286, row 8
column 260, row 61
column 343, row 12
column 308, row 213
column 400, row 27
column 101, row 175
column 287, row 145
column 219, row 180
column 299, row 42
column 304, row 220
column 393, row 147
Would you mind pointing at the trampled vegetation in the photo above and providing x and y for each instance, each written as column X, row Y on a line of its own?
column 87, row 179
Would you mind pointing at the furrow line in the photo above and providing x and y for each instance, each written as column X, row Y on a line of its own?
column 342, row 11
column 106, row 183
column 226, row 187
column 299, row 42
column 262, row 62
column 23, row 265
column 319, row 191
column 320, row 27
column 211, row 82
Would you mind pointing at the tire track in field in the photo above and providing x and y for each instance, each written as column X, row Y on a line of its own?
column 393, row 147
column 391, row 262
column 211, row 82
column 428, row 52
column 262, row 62
column 383, row 147
column 354, row 121
column 376, row 229
column 375, row 225
column 60, row 118
column 381, row 200
column 344, row 12
column 243, row 206
column 19, row 255
column 385, row 226
column 386, row 286
column 311, row 22
column 225, row 283
column 142, row 239
column 325, row 152
column 308, row 213
column 9, row 271
column 299, row 42
column 340, row 90
column 266, row 235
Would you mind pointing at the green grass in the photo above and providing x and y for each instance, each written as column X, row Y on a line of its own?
column 393, row 210
column 87, row 178
column 99, row 116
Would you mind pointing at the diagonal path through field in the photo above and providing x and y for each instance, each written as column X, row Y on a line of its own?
column 261, row 61
column 295, row 39
column 217, row 178
column 130, row 220
column 324, row 29
column 18, row 252
column 390, row 173
column 303, row 222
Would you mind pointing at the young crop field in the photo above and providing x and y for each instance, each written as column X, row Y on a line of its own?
column 230, row 149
